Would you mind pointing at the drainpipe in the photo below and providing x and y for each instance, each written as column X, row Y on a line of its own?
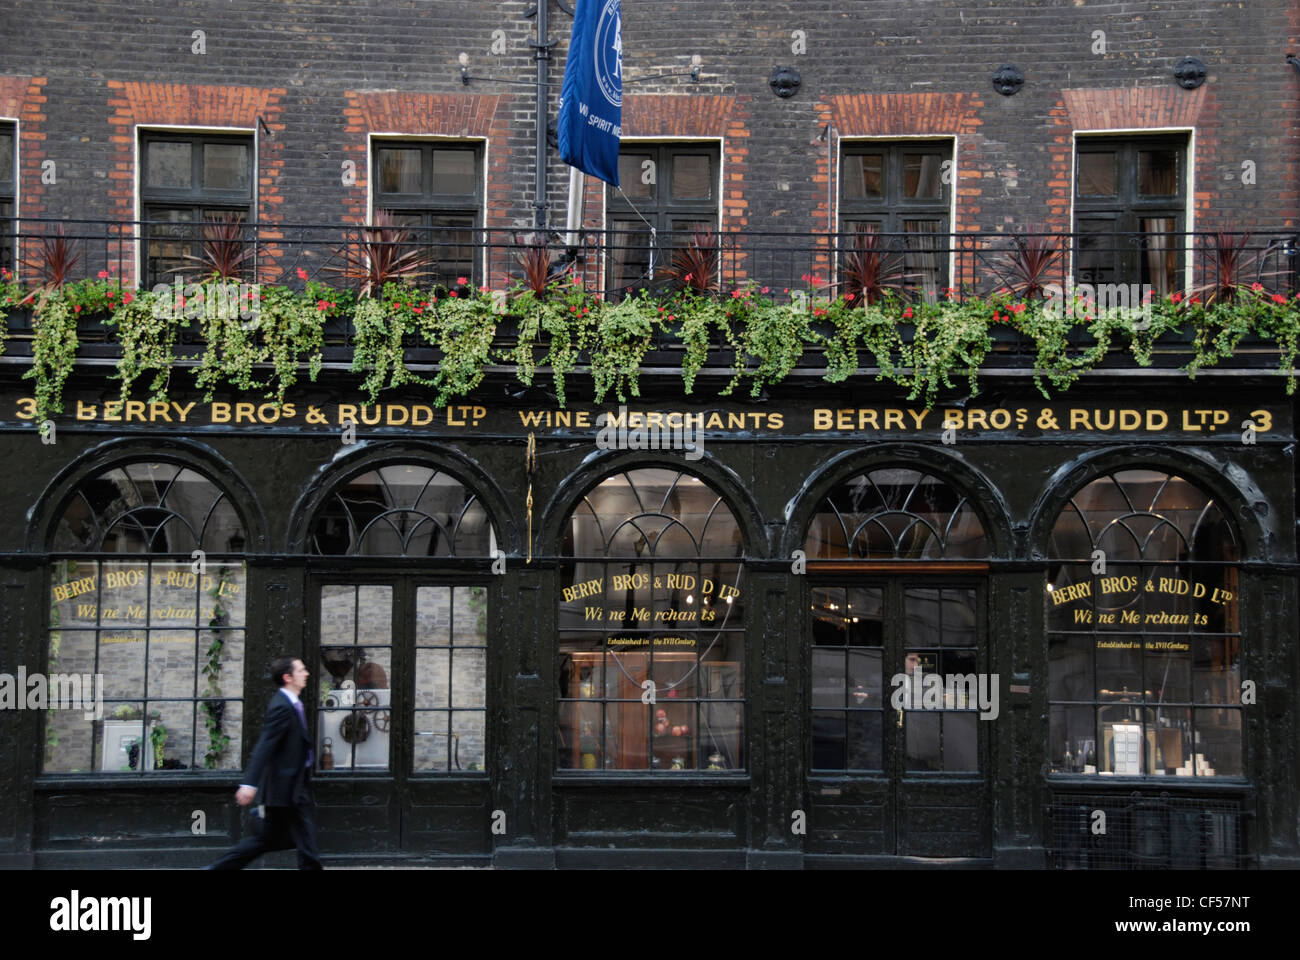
column 543, row 46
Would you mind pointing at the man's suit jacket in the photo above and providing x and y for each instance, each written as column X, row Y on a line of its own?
column 278, row 767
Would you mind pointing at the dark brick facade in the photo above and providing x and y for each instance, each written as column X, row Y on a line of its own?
column 330, row 73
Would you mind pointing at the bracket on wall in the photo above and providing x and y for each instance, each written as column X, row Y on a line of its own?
column 1189, row 72
column 785, row 82
column 270, row 134
column 1007, row 80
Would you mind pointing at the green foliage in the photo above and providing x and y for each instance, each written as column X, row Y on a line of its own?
column 920, row 347
column 623, row 336
column 54, row 350
column 214, row 709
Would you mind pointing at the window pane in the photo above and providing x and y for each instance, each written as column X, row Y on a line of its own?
column 636, row 174
column 828, row 739
column 169, row 165
column 960, row 741
column 922, row 178
column 1096, row 174
column 864, row 176
column 827, row 678
column 1157, row 173
column 923, row 744
column 6, row 156
column 691, row 179
column 399, row 171
column 1218, row 743
column 864, row 740
column 453, row 172
column 225, row 166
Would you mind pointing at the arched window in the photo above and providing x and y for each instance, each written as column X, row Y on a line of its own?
column 651, row 646
column 866, row 634
column 150, row 643
column 896, row 514
column 1144, row 636
column 403, row 510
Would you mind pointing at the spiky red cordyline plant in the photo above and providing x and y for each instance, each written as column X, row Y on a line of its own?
column 383, row 254
column 58, row 258
column 1030, row 264
column 695, row 266
column 224, row 250
column 871, row 272
column 539, row 268
column 1232, row 264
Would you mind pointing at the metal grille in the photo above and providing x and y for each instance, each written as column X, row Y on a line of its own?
column 1147, row 832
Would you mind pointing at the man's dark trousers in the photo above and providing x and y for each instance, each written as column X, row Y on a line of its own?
column 279, row 768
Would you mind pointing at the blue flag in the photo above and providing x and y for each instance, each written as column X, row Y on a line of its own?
column 591, row 100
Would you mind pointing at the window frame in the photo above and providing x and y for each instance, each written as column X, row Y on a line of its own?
column 1095, row 631
column 1126, row 208
column 892, row 210
column 9, row 194
column 429, row 204
column 196, row 200
column 102, row 624
column 662, row 210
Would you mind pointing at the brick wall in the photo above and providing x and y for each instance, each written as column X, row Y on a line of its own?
column 323, row 74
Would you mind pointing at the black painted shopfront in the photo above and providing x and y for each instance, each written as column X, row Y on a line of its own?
column 841, row 631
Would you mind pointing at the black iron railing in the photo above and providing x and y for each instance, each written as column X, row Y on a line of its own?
column 786, row 265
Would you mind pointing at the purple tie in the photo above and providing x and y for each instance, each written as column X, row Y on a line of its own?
column 297, row 705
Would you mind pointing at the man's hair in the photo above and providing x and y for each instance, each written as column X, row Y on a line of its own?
column 279, row 667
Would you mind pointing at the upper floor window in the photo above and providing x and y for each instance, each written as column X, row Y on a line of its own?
column 896, row 196
column 138, row 625
column 188, row 180
column 1144, row 631
column 435, row 189
column 8, row 193
column 671, row 188
column 1130, row 199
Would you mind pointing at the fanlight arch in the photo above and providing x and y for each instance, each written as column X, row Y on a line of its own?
column 403, row 509
column 896, row 513
column 148, row 507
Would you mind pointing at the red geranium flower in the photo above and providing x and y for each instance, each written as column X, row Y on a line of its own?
column 1278, row 298
column 77, row 308
column 462, row 281
column 302, row 274
column 103, row 274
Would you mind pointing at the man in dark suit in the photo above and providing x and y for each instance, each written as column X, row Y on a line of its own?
column 280, row 769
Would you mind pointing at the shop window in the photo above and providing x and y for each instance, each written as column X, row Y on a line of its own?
column 896, row 514
column 1144, row 655
column 435, row 190
column 1130, row 199
column 189, row 185
column 404, row 510
column 864, row 635
column 896, row 197
column 158, row 629
column 668, row 200
column 651, row 648
column 8, row 194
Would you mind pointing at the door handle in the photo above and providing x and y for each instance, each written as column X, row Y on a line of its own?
column 900, row 717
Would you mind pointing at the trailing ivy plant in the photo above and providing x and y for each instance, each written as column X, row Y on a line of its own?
column 462, row 329
column 623, row 336
column 946, row 342
column 293, row 332
column 231, row 348
column 563, row 314
column 147, row 333
column 54, row 350
column 772, row 336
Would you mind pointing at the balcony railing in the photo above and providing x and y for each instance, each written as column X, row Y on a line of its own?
column 910, row 265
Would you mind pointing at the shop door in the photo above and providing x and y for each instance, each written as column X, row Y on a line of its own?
column 898, row 754
column 401, row 680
